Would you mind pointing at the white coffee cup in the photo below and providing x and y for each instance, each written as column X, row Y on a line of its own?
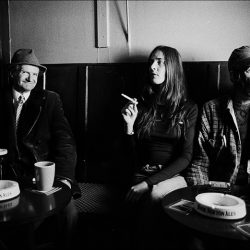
column 44, row 175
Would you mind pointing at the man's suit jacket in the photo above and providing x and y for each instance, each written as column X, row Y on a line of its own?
column 45, row 132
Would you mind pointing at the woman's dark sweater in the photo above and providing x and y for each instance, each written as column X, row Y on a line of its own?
column 166, row 147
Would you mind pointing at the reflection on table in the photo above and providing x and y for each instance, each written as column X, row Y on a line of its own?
column 30, row 206
column 22, row 216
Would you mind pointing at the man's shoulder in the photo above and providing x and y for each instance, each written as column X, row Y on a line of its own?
column 51, row 95
column 45, row 95
column 219, row 102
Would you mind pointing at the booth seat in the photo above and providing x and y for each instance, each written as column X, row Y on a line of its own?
column 91, row 95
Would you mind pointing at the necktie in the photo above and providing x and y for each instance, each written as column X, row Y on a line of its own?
column 20, row 103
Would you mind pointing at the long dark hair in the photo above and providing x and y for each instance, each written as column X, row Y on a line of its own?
column 167, row 98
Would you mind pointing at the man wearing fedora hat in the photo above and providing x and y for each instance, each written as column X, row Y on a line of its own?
column 38, row 130
column 33, row 126
column 222, row 147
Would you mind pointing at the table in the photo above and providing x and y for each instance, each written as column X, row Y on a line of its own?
column 202, row 223
column 30, row 206
column 28, row 210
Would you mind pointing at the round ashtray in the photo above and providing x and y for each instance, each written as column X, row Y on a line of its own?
column 3, row 151
column 9, row 204
column 219, row 205
column 8, row 189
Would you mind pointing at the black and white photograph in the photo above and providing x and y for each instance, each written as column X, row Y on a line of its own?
column 124, row 124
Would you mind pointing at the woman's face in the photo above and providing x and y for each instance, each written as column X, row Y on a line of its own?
column 157, row 68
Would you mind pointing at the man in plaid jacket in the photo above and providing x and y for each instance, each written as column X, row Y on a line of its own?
column 222, row 147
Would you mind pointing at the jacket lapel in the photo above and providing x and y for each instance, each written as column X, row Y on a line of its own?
column 31, row 111
column 9, row 112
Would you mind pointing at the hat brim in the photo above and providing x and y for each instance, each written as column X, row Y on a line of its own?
column 41, row 67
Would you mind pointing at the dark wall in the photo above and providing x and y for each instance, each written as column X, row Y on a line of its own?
column 91, row 96
column 207, row 80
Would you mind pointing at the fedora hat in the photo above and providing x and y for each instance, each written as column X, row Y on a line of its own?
column 239, row 59
column 27, row 57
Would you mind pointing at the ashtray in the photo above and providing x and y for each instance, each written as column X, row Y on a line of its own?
column 220, row 205
column 8, row 189
column 3, row 151
column 9, row 204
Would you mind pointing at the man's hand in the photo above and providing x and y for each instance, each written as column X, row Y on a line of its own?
column 66, row 182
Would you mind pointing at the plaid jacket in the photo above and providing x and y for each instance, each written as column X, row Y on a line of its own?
column 217, row 150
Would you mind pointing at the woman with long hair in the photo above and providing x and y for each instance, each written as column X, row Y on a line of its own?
column 160, row 127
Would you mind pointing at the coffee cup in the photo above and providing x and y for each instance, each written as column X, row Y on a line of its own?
column 44, row 175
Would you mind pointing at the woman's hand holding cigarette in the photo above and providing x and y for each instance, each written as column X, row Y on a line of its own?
column 129, row 113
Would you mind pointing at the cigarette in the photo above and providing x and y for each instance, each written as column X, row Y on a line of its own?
column 130, row 99
column 225, row 140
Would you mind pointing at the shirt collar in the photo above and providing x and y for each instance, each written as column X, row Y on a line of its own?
column 230, row 105
column 16, row 95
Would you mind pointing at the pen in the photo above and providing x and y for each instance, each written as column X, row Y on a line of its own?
column 129, row 98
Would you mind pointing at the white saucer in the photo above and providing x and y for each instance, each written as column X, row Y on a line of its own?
column 8, row 189
column 219, row 205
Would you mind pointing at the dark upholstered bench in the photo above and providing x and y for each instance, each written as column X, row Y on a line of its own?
column 88, row 91
column 97, row 199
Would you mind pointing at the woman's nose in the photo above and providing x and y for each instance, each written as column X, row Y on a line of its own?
column 153, row 65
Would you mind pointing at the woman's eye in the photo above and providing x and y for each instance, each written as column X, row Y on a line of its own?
column 160, row 62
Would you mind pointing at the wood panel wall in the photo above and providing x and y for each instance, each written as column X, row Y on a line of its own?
column 91, row 95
